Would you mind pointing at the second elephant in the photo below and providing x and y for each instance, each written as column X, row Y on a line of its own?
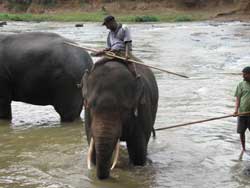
column 38, row 68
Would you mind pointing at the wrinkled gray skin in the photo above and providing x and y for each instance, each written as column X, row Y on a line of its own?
column 38, row 68
column 112, row 93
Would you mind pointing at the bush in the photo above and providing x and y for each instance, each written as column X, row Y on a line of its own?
column 183, row 19
column 146, row 19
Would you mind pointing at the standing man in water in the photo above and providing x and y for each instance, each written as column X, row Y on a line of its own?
column 242, row 95
column 119, row 42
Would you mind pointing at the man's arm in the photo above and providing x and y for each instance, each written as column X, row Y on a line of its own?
column 102, row 52
column 237, row 94
column 127, row 41
column 127, row 44
column 237, row 105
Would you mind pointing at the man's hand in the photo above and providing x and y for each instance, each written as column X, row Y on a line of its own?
column 235, row 113
column 106, row 49
column 96, row 54
column 100, row 53
column 126, row 57
column 112, row 52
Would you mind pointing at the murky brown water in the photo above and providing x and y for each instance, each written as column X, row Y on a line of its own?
column 36, row 150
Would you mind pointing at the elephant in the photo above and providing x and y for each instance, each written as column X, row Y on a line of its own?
column 40, row 69
column 118, row 107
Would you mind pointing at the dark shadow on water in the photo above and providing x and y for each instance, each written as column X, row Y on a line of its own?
column 246, row 171
column 5, row 126
column 5, row 122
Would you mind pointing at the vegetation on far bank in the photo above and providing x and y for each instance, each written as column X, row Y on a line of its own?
column 125, row 11
column 98, row 17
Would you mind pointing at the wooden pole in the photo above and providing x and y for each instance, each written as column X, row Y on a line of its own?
column 201, row 121
column 110, row 54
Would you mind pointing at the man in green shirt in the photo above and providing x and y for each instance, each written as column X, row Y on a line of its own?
column 242, row 95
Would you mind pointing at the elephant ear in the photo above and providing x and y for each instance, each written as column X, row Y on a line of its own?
column 84, row 83
column 140, row 94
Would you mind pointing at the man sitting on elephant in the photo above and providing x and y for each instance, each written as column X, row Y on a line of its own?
column 119, row 42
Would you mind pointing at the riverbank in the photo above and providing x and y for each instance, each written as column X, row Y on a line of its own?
column 98, row 17
column 129, row 11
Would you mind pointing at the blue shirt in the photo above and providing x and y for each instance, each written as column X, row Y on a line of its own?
column 116, row 39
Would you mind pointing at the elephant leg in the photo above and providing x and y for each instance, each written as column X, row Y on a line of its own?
column 69, row 108
column 5, row 100
column 137, row 144
column 68, row 113
column 5, row 109
column 137, row 149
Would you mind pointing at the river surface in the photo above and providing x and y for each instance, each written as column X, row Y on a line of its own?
column 37, row 151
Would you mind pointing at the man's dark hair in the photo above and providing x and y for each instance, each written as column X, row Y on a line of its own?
column 246, row 70
column 108, row 19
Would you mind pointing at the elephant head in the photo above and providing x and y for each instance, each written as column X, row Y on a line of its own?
column 112, row 94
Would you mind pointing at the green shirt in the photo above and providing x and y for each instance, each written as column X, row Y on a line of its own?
column 243, row 93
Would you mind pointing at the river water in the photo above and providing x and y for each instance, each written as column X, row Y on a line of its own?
column 36, row 150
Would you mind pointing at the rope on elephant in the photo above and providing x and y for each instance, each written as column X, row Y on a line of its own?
column 201, row 121
column 110, row 54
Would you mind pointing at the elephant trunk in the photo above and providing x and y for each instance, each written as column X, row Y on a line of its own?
column 103, row 158
column 106, row 134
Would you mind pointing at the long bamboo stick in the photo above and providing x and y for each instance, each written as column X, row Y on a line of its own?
column 110, row 54
column 201, row 121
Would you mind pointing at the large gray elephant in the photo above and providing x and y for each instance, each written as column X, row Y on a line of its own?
column 118, row 107
column 39, row 68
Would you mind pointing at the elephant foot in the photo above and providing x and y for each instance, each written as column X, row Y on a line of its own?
column 68, row 119
column 5, row 112
column 136, row 163
column 137, row 149
column 5, row 117
column 137, row 157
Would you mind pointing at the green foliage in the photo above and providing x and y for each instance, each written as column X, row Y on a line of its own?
column 96, row 17
column 173, row 17
column 146, row 19
column 183, row 18
column 67, row 17
column 13, row 17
